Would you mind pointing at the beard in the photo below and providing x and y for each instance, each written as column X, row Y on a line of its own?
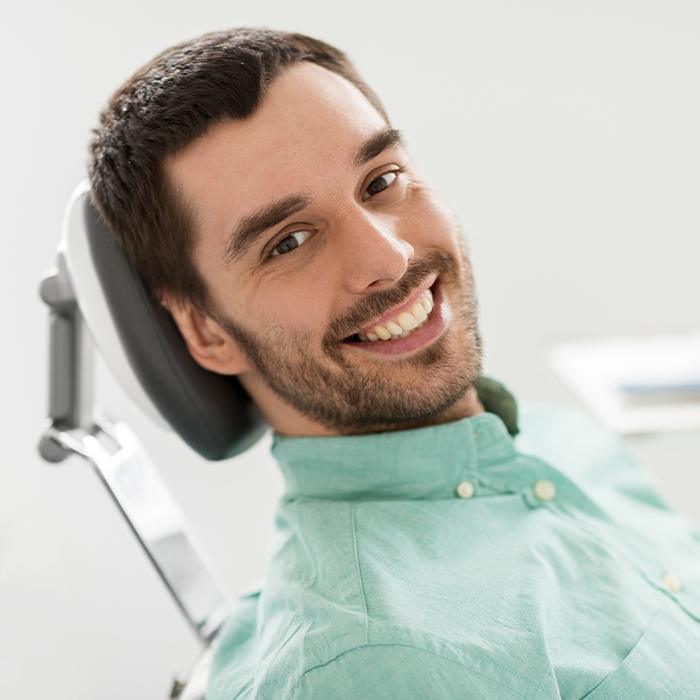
column 362, row 395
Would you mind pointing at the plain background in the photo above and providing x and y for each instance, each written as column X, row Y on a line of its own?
column 564, row 135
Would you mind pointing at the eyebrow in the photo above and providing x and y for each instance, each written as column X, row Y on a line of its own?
column 251, row 227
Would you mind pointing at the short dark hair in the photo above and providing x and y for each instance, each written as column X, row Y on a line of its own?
column 163, row 107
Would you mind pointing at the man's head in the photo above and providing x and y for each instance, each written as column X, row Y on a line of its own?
column 257, row 184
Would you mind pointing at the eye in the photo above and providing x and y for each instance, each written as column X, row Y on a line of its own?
column 392, row 176
column 289, row 243
column 297, row 238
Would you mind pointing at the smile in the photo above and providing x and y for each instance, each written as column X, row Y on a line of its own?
column 402, row 324
column 418, row 323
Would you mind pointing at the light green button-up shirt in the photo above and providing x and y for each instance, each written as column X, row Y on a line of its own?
column 454, row 561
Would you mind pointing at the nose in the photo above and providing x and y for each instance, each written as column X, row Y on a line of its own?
column 372, row 255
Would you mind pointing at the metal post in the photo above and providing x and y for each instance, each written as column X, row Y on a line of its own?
column 120, row 462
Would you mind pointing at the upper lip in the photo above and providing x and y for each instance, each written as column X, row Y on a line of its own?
column 395, row 310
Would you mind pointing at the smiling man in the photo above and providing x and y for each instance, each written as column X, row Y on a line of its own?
column 425, row 545
column 339, row 289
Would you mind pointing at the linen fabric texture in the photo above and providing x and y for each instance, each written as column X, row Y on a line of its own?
column 459, row 561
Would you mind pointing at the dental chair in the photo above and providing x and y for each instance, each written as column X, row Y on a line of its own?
column 97, row 300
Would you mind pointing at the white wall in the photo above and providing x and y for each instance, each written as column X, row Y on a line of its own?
column 563, row 133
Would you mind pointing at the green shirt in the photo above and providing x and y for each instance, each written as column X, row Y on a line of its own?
column 455, row 561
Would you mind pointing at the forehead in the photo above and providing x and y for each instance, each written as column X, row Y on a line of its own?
column 309, row 121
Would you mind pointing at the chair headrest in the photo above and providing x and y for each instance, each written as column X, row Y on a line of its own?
column 142, row 345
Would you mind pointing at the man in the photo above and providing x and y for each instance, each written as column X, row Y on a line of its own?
column 422, row 550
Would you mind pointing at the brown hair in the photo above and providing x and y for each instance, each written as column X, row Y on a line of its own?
column 158, row 111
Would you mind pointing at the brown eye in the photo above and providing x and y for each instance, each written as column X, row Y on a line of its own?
column 289, row 243
column 379, row 184
column 295, row 239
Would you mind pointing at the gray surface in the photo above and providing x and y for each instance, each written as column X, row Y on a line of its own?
column 574, row 168
column 211, row 412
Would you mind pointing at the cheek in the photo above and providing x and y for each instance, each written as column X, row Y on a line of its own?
column 291, row 316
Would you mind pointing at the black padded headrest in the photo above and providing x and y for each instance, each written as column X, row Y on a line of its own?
column 211, row 412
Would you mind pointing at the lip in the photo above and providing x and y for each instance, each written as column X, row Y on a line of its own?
column 397, row 310
column 440, row 318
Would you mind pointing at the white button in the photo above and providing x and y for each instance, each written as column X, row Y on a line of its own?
column 465, row 489
column 545, row 490
column 672, row 582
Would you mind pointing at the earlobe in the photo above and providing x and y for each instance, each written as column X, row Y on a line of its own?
column 208, row 343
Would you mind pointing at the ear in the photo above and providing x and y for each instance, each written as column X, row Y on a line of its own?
column 208, row 343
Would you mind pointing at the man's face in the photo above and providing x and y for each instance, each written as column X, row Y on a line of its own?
column 370, row 237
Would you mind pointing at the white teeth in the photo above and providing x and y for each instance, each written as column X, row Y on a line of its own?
column 382, row 332
column 406, row 323
column 419, row 312
column 427, row 301
column 394, row 328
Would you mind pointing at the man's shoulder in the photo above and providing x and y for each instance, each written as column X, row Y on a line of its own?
column 571, row 439
column 550, row 426
column 581, row 446
column 388, row 670
column 391, row 661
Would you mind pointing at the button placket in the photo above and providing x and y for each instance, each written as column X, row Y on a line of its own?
column 540, row 492
column 465, row 489
column 544, row 490
column 675, row 585
column 672, row 582
column 467, row 473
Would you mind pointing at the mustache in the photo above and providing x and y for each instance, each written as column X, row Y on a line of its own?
column 373, row 306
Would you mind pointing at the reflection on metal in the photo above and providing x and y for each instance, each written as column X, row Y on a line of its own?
column 153, row 517
column 120, row 462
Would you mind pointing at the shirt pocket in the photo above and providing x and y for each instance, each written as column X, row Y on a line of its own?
column 662, row 665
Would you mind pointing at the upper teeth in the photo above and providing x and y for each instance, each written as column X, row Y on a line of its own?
column 404, row 323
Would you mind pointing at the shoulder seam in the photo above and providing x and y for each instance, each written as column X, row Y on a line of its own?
column 400, row 645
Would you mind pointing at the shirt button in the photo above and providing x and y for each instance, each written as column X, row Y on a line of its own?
column 545, row 490
column 465, row 489
column 672, row 582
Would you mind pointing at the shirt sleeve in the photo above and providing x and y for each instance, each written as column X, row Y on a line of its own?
column 400, row 672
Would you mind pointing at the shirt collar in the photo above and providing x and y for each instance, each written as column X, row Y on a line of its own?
column 425, row 462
